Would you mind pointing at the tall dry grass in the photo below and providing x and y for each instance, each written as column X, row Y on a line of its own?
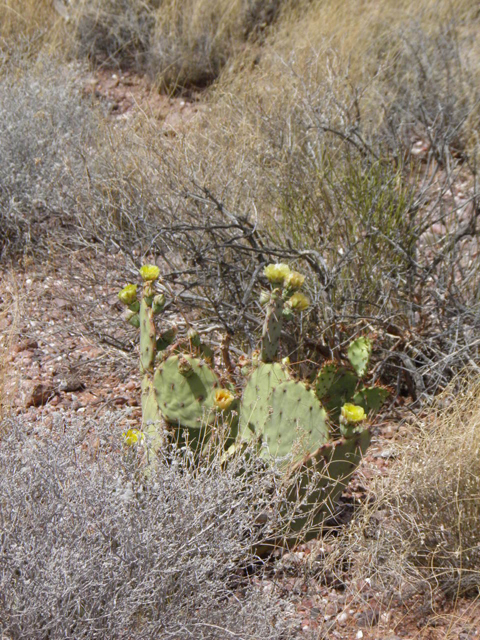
column 180, row 44
column 29, row 26
column 420, row 530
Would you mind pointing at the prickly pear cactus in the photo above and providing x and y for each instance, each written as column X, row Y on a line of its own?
column 371, row 398
column 359, row 352
column 318, row 480
column 185, row 391
column 291, row 424
column 272, row 327
column 148, row 340
column 255, row 405
column 334, row 386
column 151, row 415
column 296, row 424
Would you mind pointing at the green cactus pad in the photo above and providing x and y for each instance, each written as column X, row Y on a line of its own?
column 359, row 354
column 371, row 398
column 255, row 407
column 151, row 416
column 325, row 378
column 147, row 338
column 186, row 401
column 272, row 327
column 335, row 385
column 316, row 494
column 296, row 424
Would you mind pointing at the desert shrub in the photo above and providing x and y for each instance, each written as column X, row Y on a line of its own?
column 421, row 528
column 89, row 551
column 332, row 146
column 45, row 130
column 28, row 27
column 117, row 30
column 181, row 44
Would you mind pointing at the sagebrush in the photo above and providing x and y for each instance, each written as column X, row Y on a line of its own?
column 90, row 551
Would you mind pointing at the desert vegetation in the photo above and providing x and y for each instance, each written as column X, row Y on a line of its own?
column 212, row 139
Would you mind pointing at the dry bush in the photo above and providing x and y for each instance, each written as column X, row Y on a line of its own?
column 421, row 528
column 28, row 27
column 181, row 44
column 114, row 31
column 89, row 551
column 45, row 132
column 328, row 138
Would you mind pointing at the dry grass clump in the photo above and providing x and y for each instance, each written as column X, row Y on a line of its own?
column 28, row 27
column 89, row 551
column 181, row 44
column 422, row 528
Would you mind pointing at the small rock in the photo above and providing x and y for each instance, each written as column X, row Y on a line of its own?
column 368, row 619
column 39, row 394
column 342, row 617
column 26, row 345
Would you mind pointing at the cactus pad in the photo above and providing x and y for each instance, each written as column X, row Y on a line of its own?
column 318, row 480
column 335, row 385
column 151, row 416
column 296, row 424
column 255, row 404
column 185, row 401
column 359, row 354
column 371, row 398
column 147, row 337
column 272, row 327
column 325, row 378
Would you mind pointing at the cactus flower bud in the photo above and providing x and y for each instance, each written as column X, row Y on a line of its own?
column 223, row 399
column 128, row 295
column 264, row 297
column 132, row 318
column 185, row 367
column 194, row 337
column 295, row 280
column 298, row 301
column 158, row 303
column 277, row 272
column 149, row 272
column 133, row 436
column 287, row 313
column 148, row 293
column 352, row 413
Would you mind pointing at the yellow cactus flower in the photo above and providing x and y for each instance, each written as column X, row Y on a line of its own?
column 223, row 399
column 133, row 436
column 277, row 272
column 128, row 294
column 149, row 272
column 353, row 413
column 295, row 280
column 298, row 301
